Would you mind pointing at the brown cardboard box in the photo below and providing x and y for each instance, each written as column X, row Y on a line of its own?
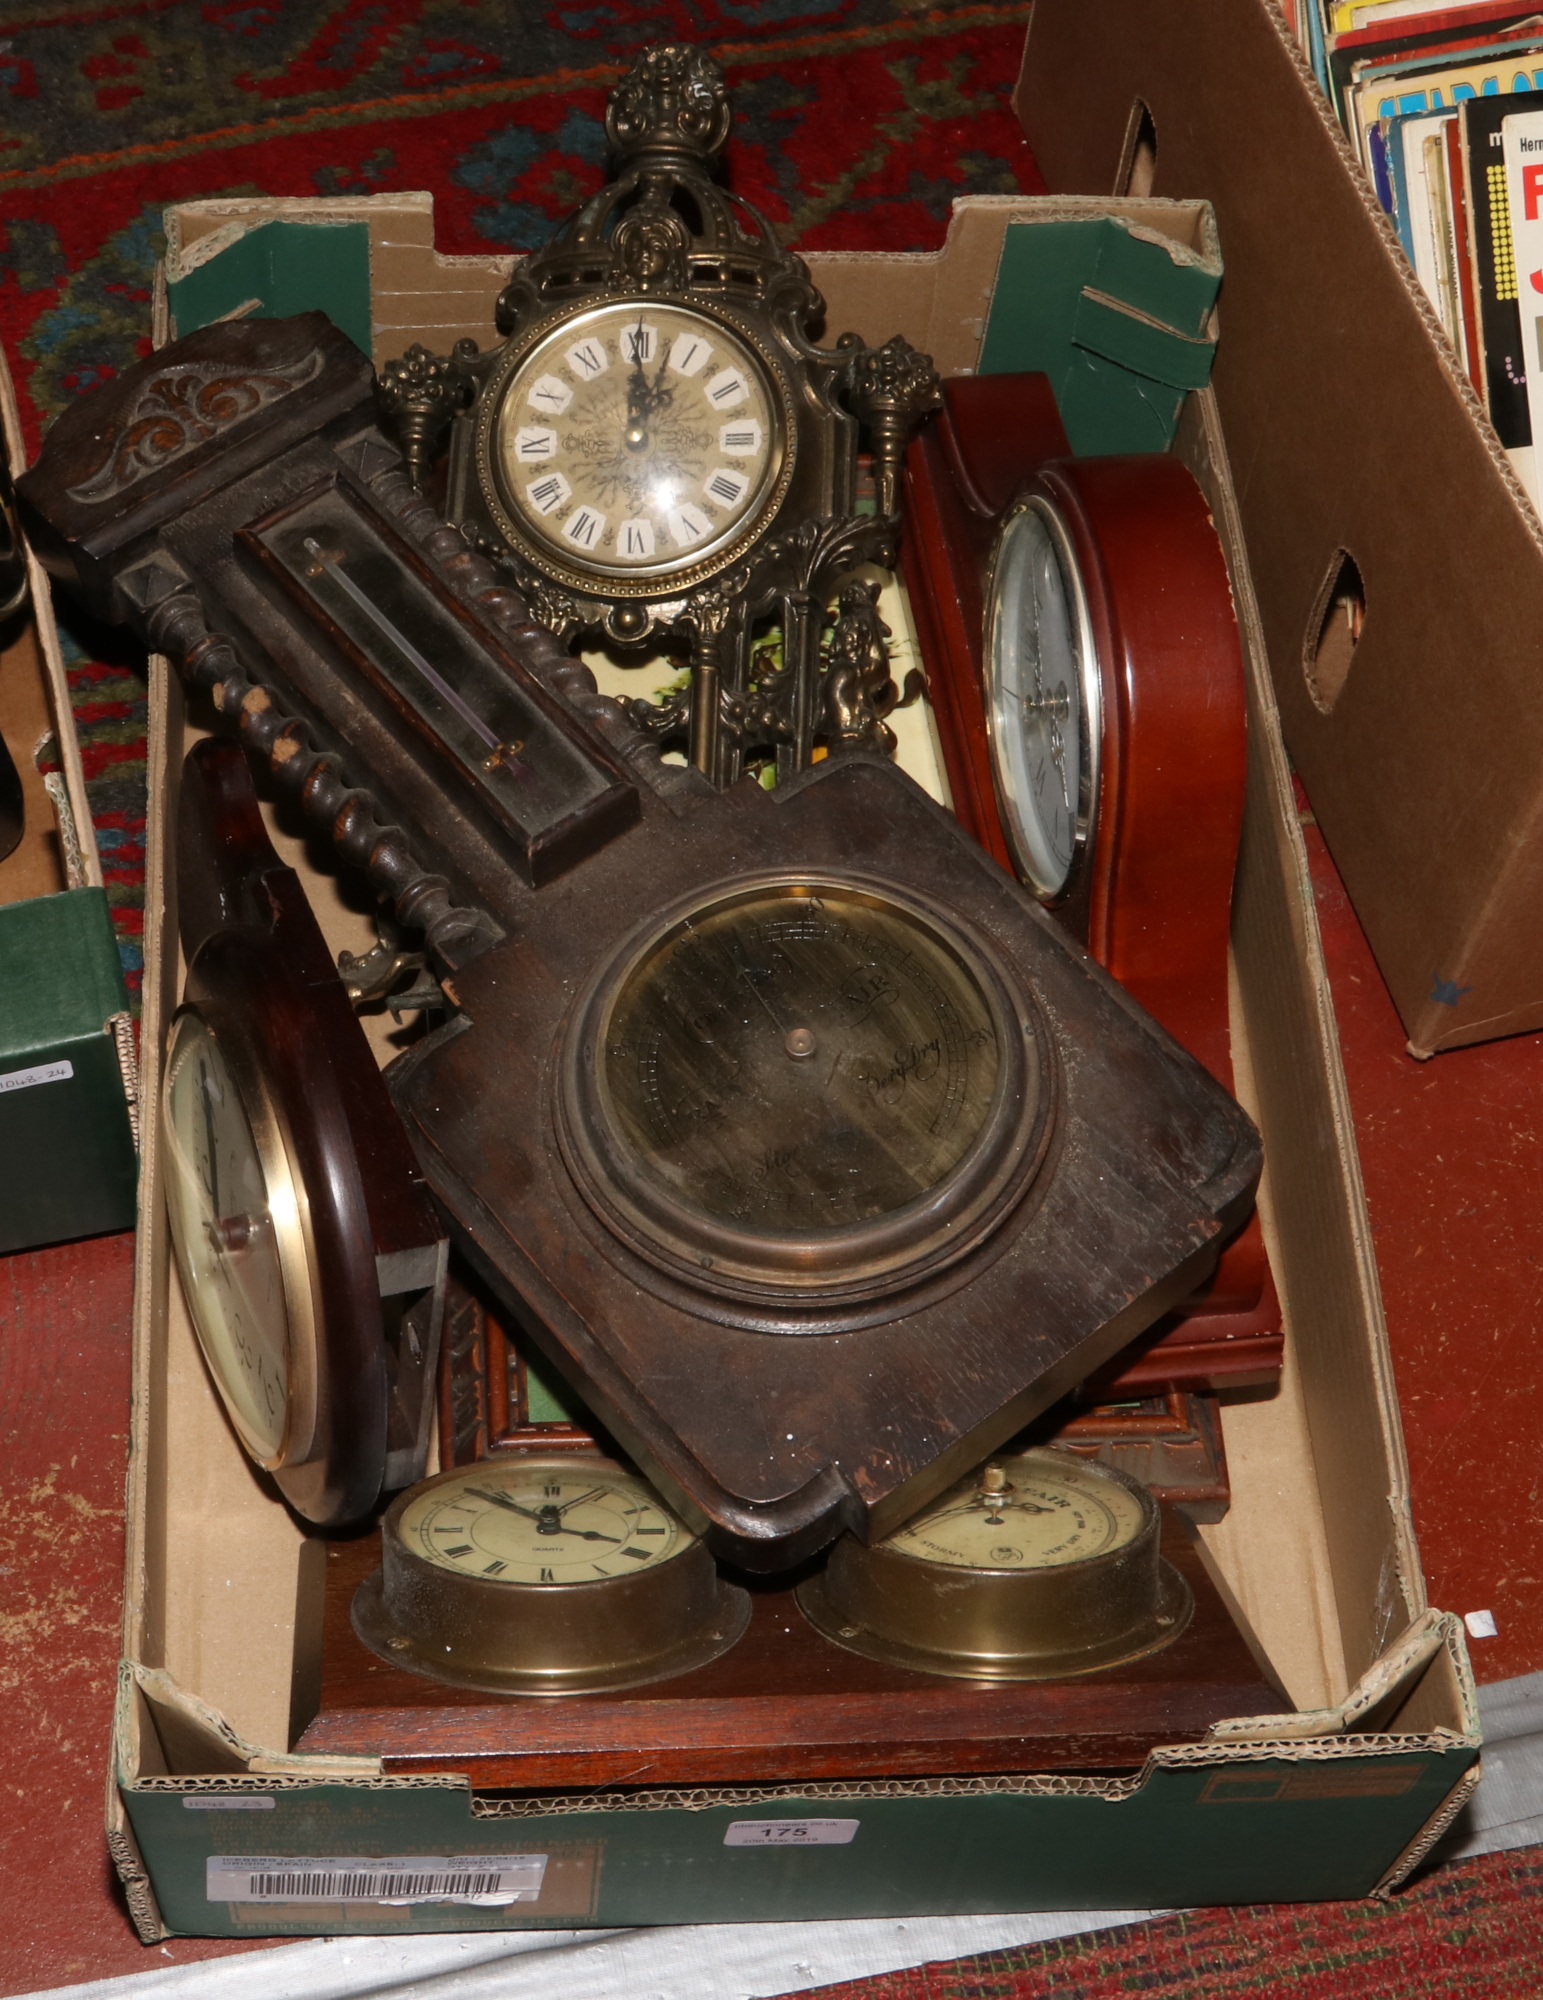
column 1353, row 431
column 1338, row 1798
column 34, row 701
column 68, row 1071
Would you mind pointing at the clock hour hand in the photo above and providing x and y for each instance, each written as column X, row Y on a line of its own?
column 545, row 1518
column 637, row 382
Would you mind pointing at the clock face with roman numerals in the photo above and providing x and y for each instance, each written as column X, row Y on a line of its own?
column 638, row 439
column 520, row 1523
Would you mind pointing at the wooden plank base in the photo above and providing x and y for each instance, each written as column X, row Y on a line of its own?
column 782, row 1706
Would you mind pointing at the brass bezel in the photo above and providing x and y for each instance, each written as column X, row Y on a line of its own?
column 845, row 1268
column 1089, row 692
column 659, row 580
column 290, row 1211
column 489, row 1634
column 969, row 1623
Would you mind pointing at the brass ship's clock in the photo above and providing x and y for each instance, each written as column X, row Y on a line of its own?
column 658, row 451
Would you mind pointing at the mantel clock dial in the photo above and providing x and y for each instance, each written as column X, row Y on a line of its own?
column 1045, row 696
column 544, row 1575
column 1037, row 1567
column 659, row 453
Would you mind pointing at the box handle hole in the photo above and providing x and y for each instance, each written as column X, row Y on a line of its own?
column 1138, row 160
column 1333, row 630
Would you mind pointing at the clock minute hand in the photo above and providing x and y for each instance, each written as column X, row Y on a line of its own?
column 502, row 1500
column 541, row 1519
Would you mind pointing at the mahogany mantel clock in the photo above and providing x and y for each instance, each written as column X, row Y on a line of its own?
column 1085, row 671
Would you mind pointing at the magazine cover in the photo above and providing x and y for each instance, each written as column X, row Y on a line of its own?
column 1494, row 271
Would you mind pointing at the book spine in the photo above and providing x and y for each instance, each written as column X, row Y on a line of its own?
column 1494, row 273
column 1317, row 49
column 1462, row 258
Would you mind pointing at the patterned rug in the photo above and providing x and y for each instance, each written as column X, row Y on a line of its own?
column 1471, row 1929
column 857, row 124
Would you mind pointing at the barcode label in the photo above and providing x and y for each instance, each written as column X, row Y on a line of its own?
column 482, row 1879
column 791, row 1832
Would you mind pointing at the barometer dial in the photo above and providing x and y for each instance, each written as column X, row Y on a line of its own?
column 1055, row 1510
column 223, row 1230
column 1039, row 1566
column 801, row 1079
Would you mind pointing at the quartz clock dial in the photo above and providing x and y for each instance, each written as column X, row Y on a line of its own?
column 638, row 439
column 660, row 453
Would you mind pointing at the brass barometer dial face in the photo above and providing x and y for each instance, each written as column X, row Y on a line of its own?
column 1050, row 1515
column 544, row 1574
column 1037, row 1567
column 229, row 1201
column 801, row 1083
column 637, row 440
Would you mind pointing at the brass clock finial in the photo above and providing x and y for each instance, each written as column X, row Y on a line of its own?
column 672, row 100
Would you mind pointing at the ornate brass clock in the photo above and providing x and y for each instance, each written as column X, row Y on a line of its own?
column 658, row 453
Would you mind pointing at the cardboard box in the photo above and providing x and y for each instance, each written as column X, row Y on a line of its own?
column 68, row 1075
column 1337, row 1799
column 1366, row 468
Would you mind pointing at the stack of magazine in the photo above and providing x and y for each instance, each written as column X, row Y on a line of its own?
column 1444, row 104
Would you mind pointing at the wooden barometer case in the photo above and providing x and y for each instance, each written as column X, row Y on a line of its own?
column 814, row 1154
column 1085, row 671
